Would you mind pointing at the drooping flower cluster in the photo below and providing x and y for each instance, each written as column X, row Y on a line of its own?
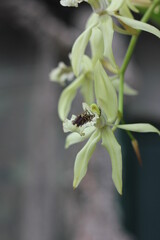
column 90, row 74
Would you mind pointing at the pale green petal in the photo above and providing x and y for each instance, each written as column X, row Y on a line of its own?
column 67, row 97
column 127, row 89
column 105, row 93
column 140, row 25
column 86, row 64
column 124, row 11
column 83, row 157
column 87, row 86
column 92, row 20
column 132, row 7
column 98, row 6
column 106, row 26
column 115, row 5
column 139, row 127
column 61, row 74
column 97, row 45
column 114, row 149
column 76, row 138
column 87, row 90
column 120, row 30
column 78, row 50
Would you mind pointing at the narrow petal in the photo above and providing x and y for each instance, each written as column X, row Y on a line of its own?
column 120, row 30
column 83, row 157
column 125, row 11
column 105, row 93
column 76, row 138
column 86, row 64
column 78, row 50
column 87, row 91
column 92, row 20
column 97, row 44
column 115, row 5
column 114, row 149
column 127, row 89
column 67, row 97
column 139, row 25
column 87, row 86
column 132, row 7
column 139, row 127
column 106, row 26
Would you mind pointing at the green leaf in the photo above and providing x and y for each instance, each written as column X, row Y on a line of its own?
column 67, row 97
column 83, row 157
column 75, row 137
column 139, row 127
column 139, row 25
column 106, row 26
column 78, row 50
column 105, row 93
column 114, row 149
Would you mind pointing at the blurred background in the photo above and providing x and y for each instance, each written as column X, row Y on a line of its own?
column 37, row 201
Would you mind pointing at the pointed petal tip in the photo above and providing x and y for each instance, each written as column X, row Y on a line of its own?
column 120, row 192
column 75, row 184
column 137, row 151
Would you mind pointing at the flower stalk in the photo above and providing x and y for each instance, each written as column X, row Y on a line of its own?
column 129, row 53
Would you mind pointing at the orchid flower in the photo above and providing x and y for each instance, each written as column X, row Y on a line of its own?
column 89, row 74
column 92, row 125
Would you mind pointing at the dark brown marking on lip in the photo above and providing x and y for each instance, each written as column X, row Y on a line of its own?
column 83, row 118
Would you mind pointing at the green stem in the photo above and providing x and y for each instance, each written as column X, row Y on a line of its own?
column 129, row 53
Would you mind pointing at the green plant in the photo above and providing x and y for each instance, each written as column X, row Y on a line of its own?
column 99, row 78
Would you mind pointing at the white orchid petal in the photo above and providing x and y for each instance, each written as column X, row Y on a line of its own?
column 61, row 73
column 105, row 93
column 78, row 50
column 70, row 3
column 125, row 11
column 127, row 89
column 132, row 7
column 139, row 25
column 83, row 157
column 87, row 91
column 97, row 45
column 74, row 137
column 92, row 20
column 106, row 26
column 139, row 127
column 86, row 64
column 67, row 97
column 114, row 149
column 115, row 5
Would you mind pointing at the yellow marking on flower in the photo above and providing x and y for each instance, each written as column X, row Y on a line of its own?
column 95, row 109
